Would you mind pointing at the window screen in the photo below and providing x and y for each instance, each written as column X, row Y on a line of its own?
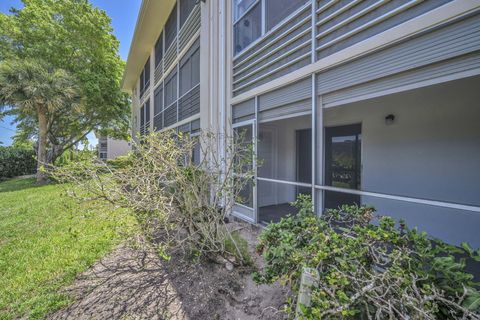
column 159, row 50
column 171, row 88
column 142, row 84
column 142, row 116
column 190, row 69
column 158, row 102
column 147, row 74
column 240, row 7
column 248, row 28
column 147, row 111
column 277, row 10
column 186, row 7
column 171, row 28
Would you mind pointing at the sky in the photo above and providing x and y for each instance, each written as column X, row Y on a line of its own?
column 123, row 14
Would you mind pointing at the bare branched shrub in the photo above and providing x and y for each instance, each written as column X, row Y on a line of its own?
column 178, row 187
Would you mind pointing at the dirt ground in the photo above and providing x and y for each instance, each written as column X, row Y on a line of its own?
column 133, row 283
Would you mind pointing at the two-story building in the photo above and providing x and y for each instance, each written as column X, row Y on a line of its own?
column 371, row 102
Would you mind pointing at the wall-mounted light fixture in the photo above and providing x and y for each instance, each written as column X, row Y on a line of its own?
column 389, row 119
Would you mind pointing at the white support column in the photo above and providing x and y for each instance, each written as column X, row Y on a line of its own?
column 206, row 74
column 320, row 154
column 255, row 134
column 136, row 112
column 152, row 87
column 314, row 31
column 314, row 133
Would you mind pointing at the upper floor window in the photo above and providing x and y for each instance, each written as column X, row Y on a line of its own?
column 159, row 50
column 171, row 28
column 250, row 23
column 142, row 116
column 147, row 111
column 147, row 73
column 240, row 7
column 186, row 7
column 190, row 69
column 277, row 10
column 248, row 28
column 170, row 89
column 158, row 100
column 145, row 77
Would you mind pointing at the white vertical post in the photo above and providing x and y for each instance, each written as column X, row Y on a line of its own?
column 308, row 281
column 313, row 135
column 319, row 179
column 264, row 16
column 255, row 154
column 152, row 87
column 314, row 31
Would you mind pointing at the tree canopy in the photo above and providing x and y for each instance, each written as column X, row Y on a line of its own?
column 77, row 37
column 36, row 90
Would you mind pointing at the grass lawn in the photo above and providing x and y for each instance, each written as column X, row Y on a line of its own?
column 45, row 240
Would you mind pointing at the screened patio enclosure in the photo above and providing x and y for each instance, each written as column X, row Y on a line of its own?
column 413, row 155
column 417, row 158
column 284, row 154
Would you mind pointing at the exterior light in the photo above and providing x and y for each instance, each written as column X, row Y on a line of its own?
column 389, row 119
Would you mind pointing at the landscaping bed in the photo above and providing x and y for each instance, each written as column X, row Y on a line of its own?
column 133, row 282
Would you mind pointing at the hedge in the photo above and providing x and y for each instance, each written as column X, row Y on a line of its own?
column 16, row 161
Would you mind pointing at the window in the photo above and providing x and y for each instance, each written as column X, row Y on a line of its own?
column 159, row 50
column 250, row 22
column 277, row 10
column 147, row 111
column 142, row 84
column 240, row 7
column 186, row 7
column 171, row 28
column 171, row 89
column 147, row 73
column 248, row 28
column 142, row 117
column 158, row 101
column 145, row 115
column 145, row 78
column 190, row 69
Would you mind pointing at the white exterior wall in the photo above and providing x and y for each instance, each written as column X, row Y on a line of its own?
column 431, row 151
column 117, row 148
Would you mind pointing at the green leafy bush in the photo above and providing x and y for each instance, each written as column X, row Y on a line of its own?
column 16, row 161
column 121, row 162
column 74, row 156
column 369, row 271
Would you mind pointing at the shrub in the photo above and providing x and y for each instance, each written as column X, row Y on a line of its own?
column 369, row 271
column 181, row 205
column 120, row 162
column 72, row 156
column 17, row 161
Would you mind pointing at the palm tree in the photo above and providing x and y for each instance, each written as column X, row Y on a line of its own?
column 37, row 90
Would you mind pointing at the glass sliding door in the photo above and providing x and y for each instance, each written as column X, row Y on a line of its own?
column 342, row 164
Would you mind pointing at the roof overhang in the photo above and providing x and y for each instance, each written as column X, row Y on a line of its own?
column 151, row 19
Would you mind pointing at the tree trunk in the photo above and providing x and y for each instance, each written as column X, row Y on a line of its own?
column 42, row 146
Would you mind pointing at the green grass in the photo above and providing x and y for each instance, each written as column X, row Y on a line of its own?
column 45, row 240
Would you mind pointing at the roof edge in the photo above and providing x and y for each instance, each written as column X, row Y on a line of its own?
column 151, row 19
